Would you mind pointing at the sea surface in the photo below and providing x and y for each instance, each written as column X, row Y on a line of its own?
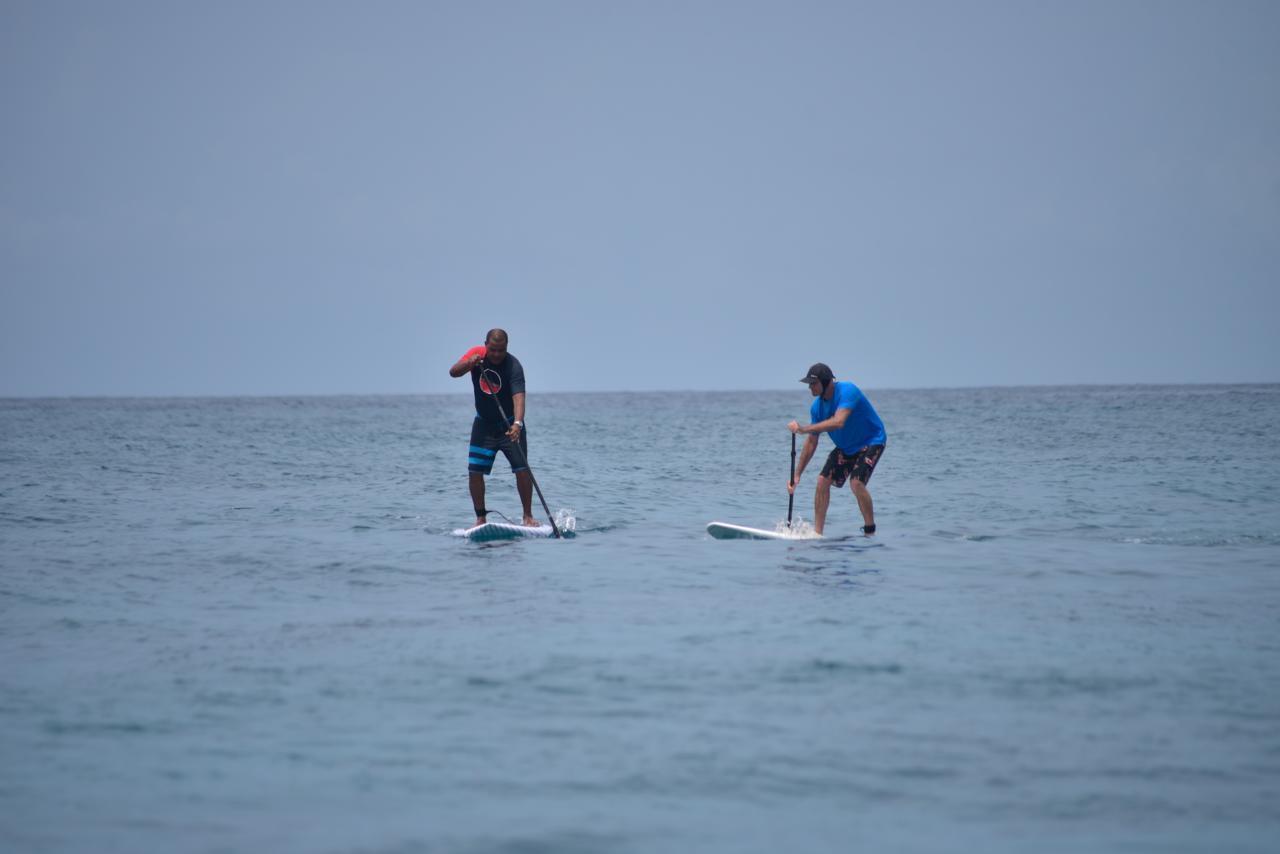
column 243, row 625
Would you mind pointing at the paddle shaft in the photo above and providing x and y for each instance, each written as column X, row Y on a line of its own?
column 529, row 469
column 791, row 496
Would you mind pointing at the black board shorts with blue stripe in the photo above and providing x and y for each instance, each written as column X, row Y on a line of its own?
column 486, row 440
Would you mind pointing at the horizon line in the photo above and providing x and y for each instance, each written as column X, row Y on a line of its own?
column 274, row 395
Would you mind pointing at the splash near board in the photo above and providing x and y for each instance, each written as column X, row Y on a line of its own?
column 726, row 531
column 490, row 531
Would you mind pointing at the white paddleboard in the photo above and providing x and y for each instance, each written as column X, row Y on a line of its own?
column 502, row 531
column 726, row 531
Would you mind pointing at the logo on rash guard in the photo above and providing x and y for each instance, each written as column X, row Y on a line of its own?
column 490, row 381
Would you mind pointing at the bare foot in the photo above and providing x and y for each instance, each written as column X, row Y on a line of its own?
column 479, row 521
column 531, row 522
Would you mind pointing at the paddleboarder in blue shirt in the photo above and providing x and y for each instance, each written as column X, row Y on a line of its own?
column 490, row 431
column 843, row 411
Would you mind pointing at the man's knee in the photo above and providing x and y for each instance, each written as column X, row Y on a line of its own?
column 824, row 483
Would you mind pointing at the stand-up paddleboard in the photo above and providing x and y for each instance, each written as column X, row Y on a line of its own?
column 726, row 531
column 502, row 531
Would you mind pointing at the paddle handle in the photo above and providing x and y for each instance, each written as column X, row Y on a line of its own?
column 791, row 496
column 529, row 468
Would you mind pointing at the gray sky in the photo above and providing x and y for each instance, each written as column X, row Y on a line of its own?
column 308, row 197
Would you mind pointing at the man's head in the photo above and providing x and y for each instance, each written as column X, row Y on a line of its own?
column 495, row 345
column 818, row 378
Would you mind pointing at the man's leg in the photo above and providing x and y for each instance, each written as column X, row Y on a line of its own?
column 821, row 498
column 476, row 482
column 524, row 486
column 863, row 495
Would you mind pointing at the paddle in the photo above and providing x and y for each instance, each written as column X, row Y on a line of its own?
column 791, row 495
column 491, row 384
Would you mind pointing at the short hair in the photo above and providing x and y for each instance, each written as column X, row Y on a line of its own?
column 496, row 336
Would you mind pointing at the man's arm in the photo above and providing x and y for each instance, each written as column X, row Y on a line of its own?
column 468, row 361
column 835, row 422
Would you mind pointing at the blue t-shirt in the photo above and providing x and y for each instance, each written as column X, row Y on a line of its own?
column 863, row 426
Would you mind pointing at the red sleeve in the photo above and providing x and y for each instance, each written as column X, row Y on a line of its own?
column 474, row 351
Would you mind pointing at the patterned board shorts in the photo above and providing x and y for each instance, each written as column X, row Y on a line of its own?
column 485, row 444
column 860, row 464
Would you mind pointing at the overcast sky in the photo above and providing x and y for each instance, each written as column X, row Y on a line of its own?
column 307, row 198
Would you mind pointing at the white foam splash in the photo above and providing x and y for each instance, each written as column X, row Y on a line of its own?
column 799, row 529
column 565, row 520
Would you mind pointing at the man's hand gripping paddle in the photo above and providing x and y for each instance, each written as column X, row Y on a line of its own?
column 491, row 384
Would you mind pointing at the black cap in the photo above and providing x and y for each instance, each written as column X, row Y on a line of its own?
column 819, row 373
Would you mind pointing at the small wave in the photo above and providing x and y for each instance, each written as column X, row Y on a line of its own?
column 828, row 664
column 817, row 668
column 964, row 536
column 601, row 529
column 564, row 842
column 483, row 682
column 1057, row 685
column 57, row 727
column 1203, row 540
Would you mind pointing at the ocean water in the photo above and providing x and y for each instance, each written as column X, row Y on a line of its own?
column 243, row 625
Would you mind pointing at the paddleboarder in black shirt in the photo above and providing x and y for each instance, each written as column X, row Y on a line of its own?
column 490, row 432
